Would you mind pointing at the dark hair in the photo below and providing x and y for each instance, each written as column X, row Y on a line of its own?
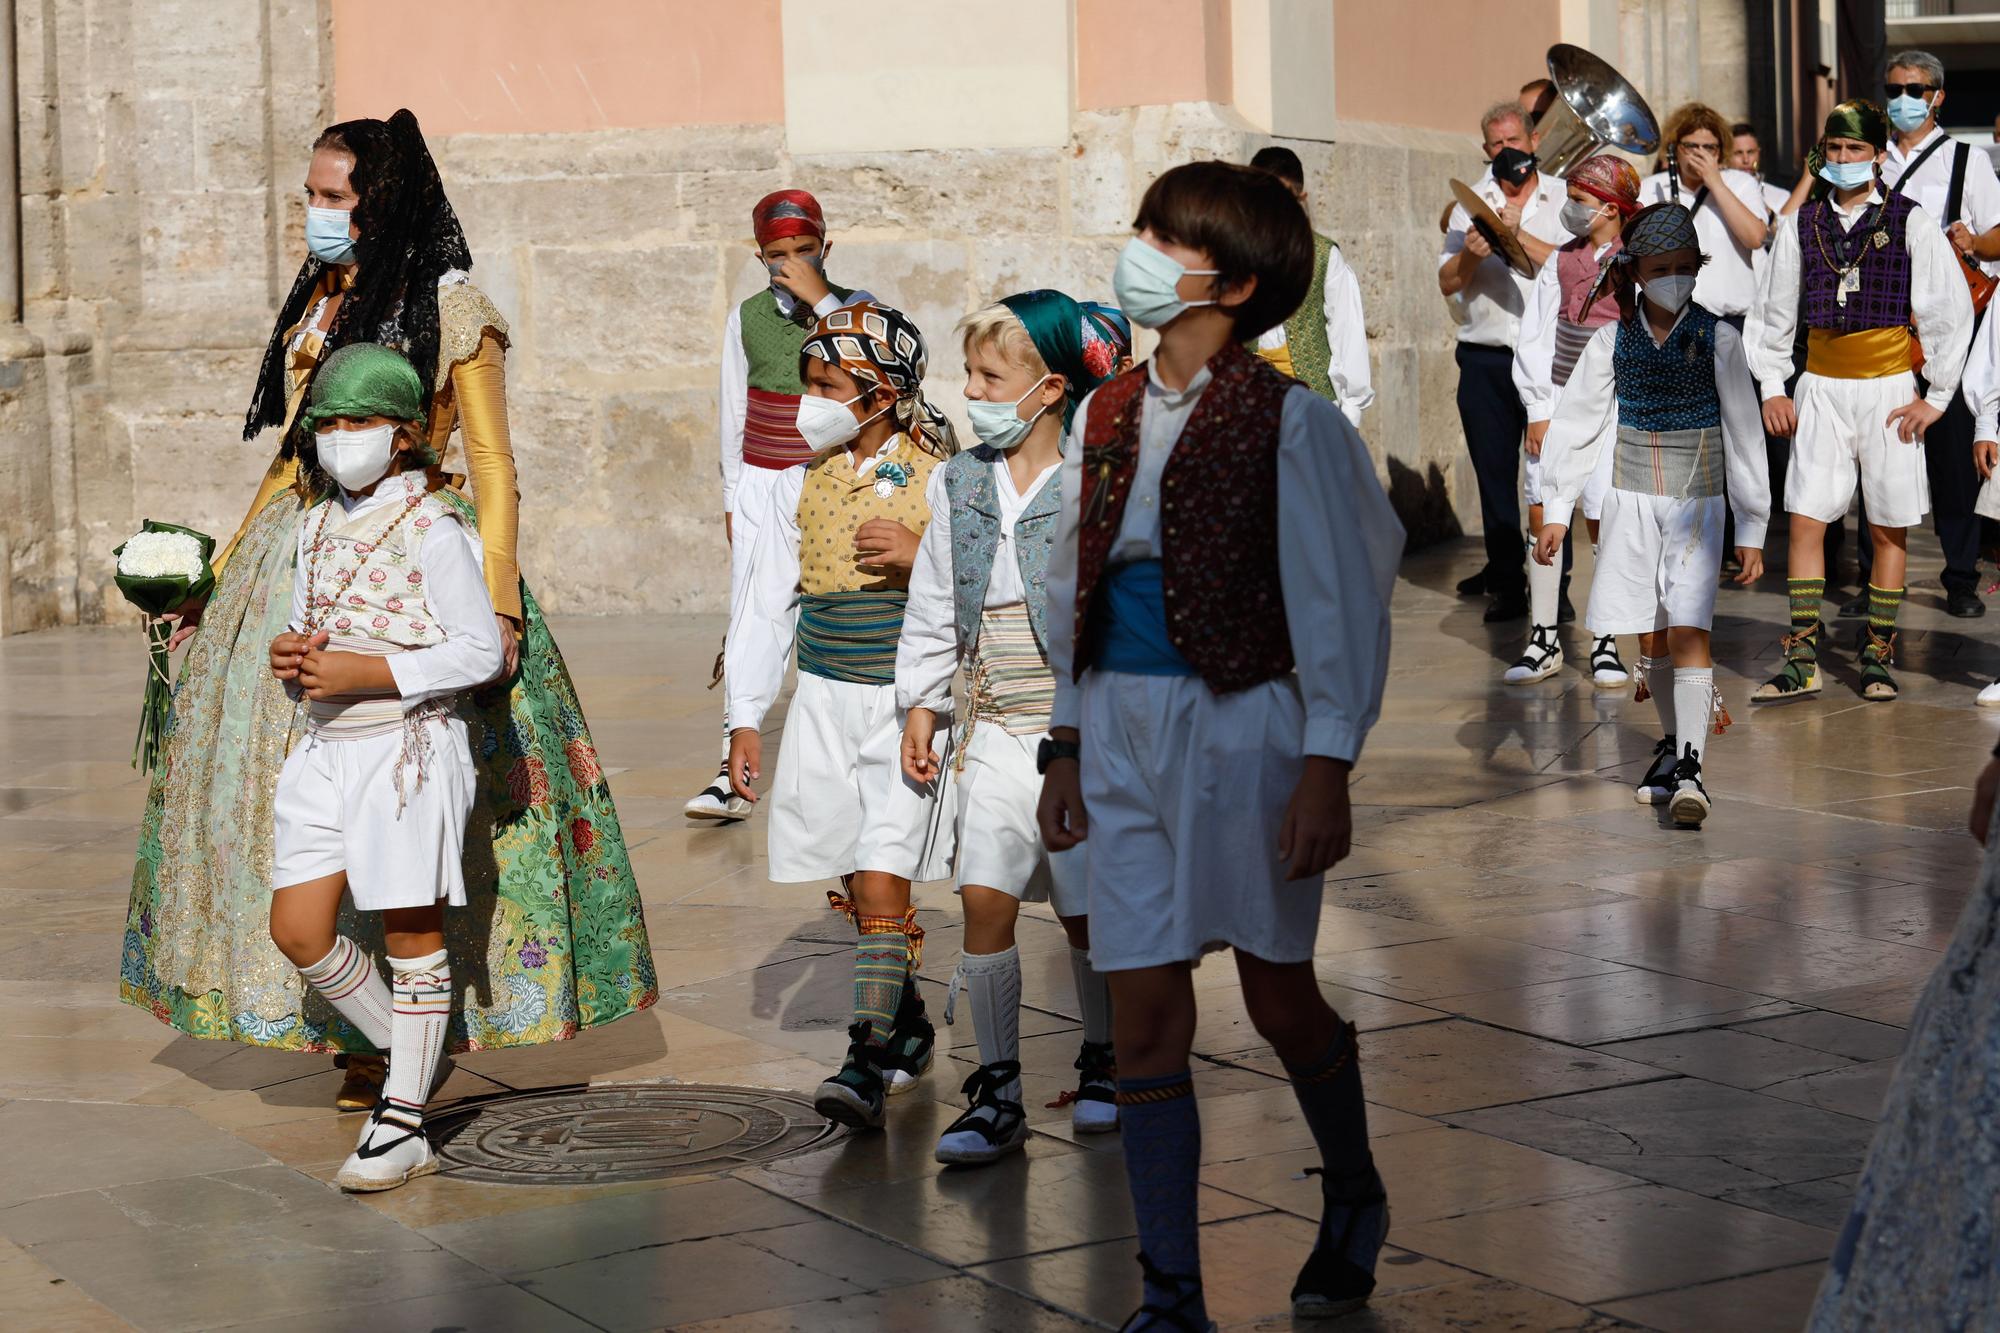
column 1741, row 128
column 1248, row 222
column 1281, row 162
column 409, row 239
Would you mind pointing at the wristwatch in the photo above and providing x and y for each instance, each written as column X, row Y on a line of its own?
column 1052, row 750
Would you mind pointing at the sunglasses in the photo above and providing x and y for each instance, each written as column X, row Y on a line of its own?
column 1913, row 89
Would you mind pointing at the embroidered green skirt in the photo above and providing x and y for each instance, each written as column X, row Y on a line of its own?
column 553, row 940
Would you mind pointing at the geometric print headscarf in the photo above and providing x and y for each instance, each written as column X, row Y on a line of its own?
column 881, row 348
column 1661, row 229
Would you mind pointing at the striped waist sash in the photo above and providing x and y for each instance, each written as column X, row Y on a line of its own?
column 1010, row 682
column 1682, row 464
column 771, row 436
column 360, row 719
column 851, row 636
column 1571, row 339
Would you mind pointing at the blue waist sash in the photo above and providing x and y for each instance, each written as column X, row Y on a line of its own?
column 1132, row 629
column 851, row 636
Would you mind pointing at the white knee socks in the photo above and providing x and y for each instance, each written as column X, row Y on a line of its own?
column 1694, row 706
column 1544, row 588
column 346, row 979
column 993, row 980
column 422, row 988
column 1659, row 674
column 1093, row 996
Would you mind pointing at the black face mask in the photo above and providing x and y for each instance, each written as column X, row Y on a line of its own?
column 1513, row 166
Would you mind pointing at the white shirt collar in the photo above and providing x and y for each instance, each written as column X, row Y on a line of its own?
column 1899, row 157
column 392, row 489
column 1175, row 397
column 1848, row 211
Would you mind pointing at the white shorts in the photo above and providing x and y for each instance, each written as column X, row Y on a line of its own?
column 1658, row 563
column 839, row 800
column 1185, row 792
column 999, row 843
column 335, row 810
column 1842, row 428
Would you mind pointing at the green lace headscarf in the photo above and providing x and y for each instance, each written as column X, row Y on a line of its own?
column 1061, row 331
column 366, row 380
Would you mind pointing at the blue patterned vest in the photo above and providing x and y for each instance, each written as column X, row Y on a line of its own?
column 975, row 539
column 1669, row 386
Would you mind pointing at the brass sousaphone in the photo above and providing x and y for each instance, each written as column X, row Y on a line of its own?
column 1594, row 107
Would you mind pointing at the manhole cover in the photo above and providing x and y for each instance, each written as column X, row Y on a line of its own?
column 623, row 1131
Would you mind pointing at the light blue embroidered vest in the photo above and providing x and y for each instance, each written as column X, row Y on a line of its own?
column 975, row 539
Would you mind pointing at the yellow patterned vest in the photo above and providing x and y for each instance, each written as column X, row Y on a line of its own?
column 850, row 617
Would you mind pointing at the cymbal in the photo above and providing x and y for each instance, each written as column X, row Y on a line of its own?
column 1503, row 241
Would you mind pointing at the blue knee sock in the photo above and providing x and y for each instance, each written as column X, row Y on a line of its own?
column 1329, row 1092
column 1162, row 1133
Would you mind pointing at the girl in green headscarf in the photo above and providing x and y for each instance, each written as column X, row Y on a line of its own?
column 977, row 598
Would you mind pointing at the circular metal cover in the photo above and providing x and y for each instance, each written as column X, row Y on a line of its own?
column 623, row 1131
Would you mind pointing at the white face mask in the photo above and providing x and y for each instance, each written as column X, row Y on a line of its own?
column 356, row 459
column 824, row 423
column 1578, row 219
column 1671, row 292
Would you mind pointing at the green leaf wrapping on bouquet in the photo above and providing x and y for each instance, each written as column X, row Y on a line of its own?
column 161, row 595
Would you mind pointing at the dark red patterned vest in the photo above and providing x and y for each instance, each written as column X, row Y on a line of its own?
column 1218, row 519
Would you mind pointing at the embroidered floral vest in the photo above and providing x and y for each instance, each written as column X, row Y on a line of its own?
column 834, row 503
column 1218, row 521
column 975, row 540
column 368, row 589
column 1883, row 302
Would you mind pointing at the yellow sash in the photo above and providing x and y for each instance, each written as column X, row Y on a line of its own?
column 1870, row 354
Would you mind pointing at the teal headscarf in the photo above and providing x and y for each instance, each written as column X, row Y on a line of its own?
column 1060, row 329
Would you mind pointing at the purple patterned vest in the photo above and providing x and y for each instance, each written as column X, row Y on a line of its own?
column 1884, row 299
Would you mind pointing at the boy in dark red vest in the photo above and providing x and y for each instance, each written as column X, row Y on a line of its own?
column 1218, row 622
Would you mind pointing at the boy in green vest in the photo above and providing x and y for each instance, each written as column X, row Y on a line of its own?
column 1324, row 343
column 759, row 404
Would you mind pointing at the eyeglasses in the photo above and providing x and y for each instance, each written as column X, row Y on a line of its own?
column 1913, row 89
column 1702, row 145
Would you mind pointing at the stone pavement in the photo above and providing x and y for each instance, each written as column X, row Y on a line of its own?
column 1620, row 1074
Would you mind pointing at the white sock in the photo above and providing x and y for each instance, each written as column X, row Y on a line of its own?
column 1093, row 996
column 993, row 981
column 1544, row 588
column 346, row 979
column 725, row 740
column 1694, row 704
column 1659, row 673
column 422, row 988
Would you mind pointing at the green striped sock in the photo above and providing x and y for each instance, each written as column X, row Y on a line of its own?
column 1806, row 597
column 881, row 969
column 1883, row 604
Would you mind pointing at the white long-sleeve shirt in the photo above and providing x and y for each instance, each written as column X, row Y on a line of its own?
column 1979, row 206
column 1586, row 420
column 1981, row 383
column 1535, row 352
column 1339, row 544
column 1488, row 308
column 733, row 407
column 1727, row 283
column 761, row 635
column 1346, row 335
column 1938, row 299
column 928, row 650
column 452, row 563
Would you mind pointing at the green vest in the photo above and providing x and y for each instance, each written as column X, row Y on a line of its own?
column 771, row 343
column 1305, row 331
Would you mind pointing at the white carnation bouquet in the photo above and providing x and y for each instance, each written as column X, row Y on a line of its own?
column 161, row 568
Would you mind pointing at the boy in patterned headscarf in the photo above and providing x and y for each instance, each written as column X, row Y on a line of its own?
column 832, row 574
column 759, row 401
column 1859, row 267
column 1660, row 380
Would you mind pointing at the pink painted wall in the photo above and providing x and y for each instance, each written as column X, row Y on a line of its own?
column 1151, row 52
column 528, row 66
column 1440, row 63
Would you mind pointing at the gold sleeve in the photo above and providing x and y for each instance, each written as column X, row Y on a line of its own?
column 278, row 477
column 479, row 385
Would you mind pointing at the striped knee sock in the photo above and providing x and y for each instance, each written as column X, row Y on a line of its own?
column 423, row 1009
column 1807, row 594
column 347, row 980
column 881, row 971
column 1162, row 1133
column 1883, row 605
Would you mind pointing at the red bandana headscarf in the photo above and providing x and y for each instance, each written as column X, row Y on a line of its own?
column 783, row 213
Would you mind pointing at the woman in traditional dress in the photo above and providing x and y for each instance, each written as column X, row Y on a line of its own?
column 554, row 940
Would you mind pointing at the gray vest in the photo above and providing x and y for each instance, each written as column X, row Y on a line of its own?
column 975, row 538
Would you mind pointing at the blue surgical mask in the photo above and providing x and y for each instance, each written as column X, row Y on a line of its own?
column 1000, row 424
column 1847, row 175
column 1147, row 284
column 787, row 303
column 327, row 235
column 1907, row 112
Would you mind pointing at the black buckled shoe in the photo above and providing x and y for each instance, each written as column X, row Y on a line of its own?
column 1174, row 1317
column 912, row 1041
column 1690, row 804
column 1339, row 1275
column 1657, row 787
column 854, row 1096
column 993, row 1127
column 1093, row 1107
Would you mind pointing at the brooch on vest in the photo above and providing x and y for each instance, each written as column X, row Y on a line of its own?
column 1101, row 463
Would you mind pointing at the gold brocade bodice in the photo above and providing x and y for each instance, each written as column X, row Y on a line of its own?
column 834, row 502
column 471, row 391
